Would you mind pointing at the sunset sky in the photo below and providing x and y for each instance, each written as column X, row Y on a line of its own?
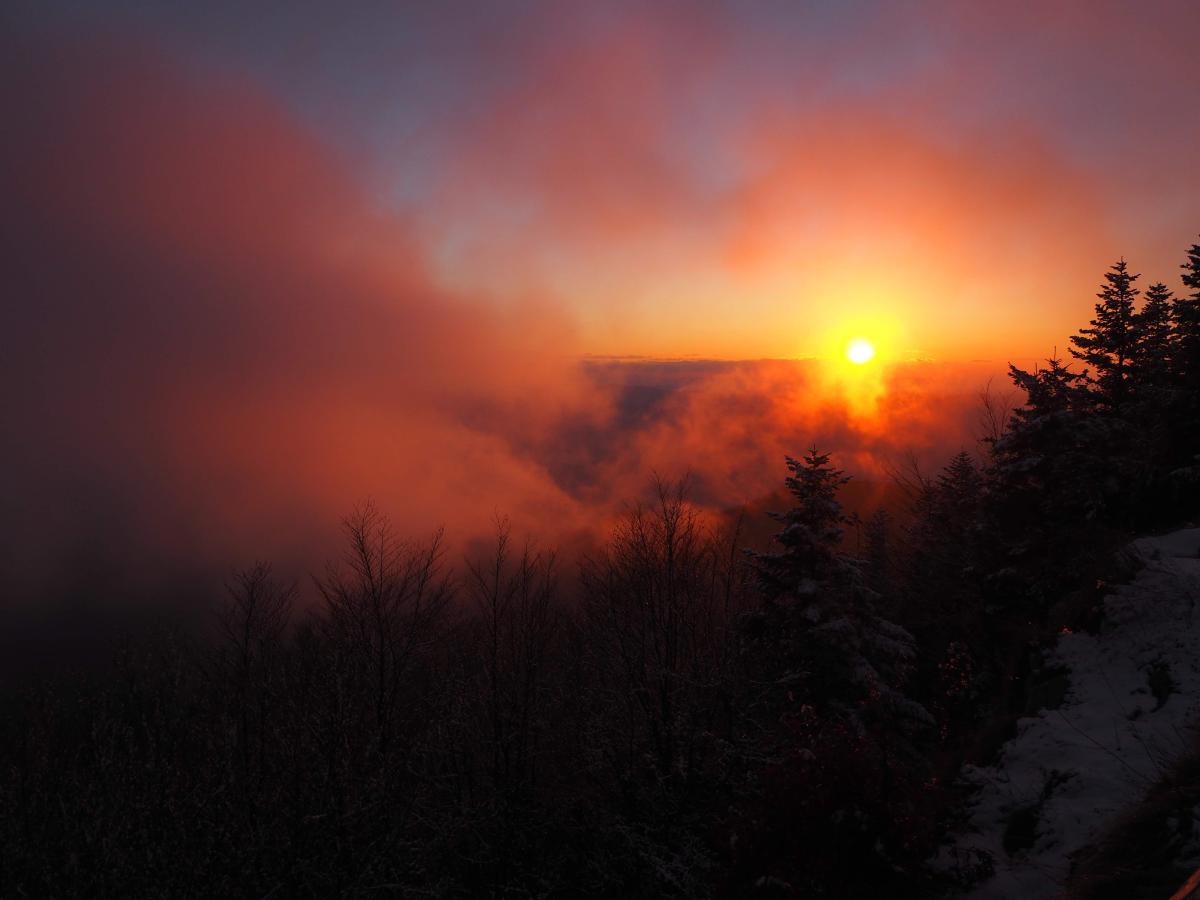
column 730, row 179
column 270, row 258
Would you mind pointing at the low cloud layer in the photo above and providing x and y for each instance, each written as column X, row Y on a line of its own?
column 214, row 341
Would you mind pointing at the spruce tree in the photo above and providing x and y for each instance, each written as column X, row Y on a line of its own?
column 1184, row 428
column 1185, row 315
column 828, row 672
column 1107, row 345
column 1154, row 340
column 939, row 538
column 812, row 529
column 1049, row 473
column 1153, row 395
column 1043, row 435
column 942, row 600
column 959, row 488
column 1050, row 393
column 850, row 654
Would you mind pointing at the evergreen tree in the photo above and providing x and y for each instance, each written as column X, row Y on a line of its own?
column 938, row 535
column 837, row 727
column 850, row 653
column 1154, row 346
column 1107, row 345
column 1185, row 368
column 942, row 600
column 1049, row 473
column 958, row 490
column 812, row 529
column 1185, row 316
column 940, row 538
column 1053, row 394
column 1153, row 393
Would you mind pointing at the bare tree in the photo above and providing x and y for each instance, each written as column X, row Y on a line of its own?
column 252, row 623
column 383, row 605
column 256, row 613
column 659, row 603
column 995, row 409
column 515, row 598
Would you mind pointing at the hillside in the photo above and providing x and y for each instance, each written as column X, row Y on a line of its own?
column 1127, row 717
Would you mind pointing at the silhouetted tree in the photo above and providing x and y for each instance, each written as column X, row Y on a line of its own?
column 383, row 604
column 1185, row 316
column 848, row 649
column 660, row 601
column 1184, row 432
column 1049, row 467
column 941, row 540
column 828, row 674
column 1154, row 348
column 1107, row 345
column 516, row 631
column 660, row 604
column 943, row 599
column 252, row 622
column 812, row 529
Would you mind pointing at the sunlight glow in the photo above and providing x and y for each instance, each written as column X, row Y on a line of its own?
column 860, row 351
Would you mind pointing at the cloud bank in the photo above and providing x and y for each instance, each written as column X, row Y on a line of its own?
column 217, row 341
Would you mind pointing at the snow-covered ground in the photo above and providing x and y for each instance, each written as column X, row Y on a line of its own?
column 1111, row 738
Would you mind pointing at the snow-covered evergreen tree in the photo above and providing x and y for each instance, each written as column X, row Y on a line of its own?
column 852, row 658
column 812, row 529
column 837, row 731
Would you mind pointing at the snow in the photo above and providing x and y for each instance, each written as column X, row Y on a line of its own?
column 1110, row 740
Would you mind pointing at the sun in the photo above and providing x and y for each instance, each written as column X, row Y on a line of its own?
column 860, row 351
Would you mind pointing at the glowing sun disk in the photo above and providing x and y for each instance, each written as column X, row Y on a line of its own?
column 860, row 351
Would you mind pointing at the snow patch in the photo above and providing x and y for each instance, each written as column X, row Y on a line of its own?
column 1133, row 696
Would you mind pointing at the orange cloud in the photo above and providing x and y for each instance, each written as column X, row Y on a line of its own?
column 219, row 343
column 682, row 200
column 214, row 331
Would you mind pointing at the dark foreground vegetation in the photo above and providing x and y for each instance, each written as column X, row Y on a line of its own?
column 696, row 721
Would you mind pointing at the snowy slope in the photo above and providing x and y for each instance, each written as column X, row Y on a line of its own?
column 1069, row 770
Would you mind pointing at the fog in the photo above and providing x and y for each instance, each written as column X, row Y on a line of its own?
column 219, row 343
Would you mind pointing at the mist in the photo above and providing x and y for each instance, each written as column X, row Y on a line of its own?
column 245, row 346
